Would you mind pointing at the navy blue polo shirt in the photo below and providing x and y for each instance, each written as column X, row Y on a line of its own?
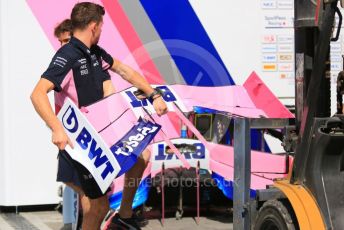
column 78, row 72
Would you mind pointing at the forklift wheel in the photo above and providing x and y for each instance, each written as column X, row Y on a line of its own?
column 179, row 214
column 274, row 215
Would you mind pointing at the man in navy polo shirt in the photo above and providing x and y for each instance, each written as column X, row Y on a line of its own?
column 78, row 71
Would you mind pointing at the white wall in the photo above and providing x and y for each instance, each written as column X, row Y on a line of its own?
column 2, row 119
column 237, row 30
column 27, row 157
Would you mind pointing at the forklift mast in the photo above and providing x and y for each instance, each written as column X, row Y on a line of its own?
column 319, row 155
column 314, row 22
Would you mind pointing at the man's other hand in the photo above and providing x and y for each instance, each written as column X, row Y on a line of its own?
column 60, row 139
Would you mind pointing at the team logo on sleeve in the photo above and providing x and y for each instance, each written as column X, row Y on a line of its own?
column 60, row 61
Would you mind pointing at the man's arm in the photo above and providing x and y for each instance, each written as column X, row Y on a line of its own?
column 132, row 76
column 108, row 88
column 139, row 82
column 42, row 106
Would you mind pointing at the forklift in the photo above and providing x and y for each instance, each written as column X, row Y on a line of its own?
column 312, row 196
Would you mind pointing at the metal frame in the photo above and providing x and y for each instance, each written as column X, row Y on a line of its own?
column 242, row 166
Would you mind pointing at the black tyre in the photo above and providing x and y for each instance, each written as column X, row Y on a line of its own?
column 275, row 215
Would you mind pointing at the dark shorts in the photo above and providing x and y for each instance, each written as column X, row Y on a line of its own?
column 70, row 170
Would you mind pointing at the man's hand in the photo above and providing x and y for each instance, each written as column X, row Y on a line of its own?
column 160, row 106
column 60, row 139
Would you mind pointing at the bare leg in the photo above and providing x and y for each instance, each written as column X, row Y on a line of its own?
column 131, row 182
column 94, row 210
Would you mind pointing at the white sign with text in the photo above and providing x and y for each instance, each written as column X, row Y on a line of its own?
column 89, row 148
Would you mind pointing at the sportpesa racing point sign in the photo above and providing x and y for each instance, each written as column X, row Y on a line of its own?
column 103, row 162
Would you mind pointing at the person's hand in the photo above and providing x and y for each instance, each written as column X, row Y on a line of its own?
column 60, row 139
column 160, row 106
